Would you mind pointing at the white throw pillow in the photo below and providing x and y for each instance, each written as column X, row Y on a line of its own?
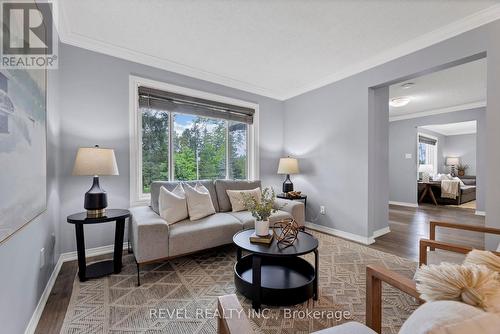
column 172, row 204
column 199, row 202
column 236, row 198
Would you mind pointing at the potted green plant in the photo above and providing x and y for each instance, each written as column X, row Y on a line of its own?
column 261, row 208
column 462, row 168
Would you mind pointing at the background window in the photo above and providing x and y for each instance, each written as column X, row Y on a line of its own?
column 184, row 137
column 203, row 148
column 427, row 152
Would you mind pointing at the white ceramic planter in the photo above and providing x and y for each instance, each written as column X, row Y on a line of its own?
column 262, row 227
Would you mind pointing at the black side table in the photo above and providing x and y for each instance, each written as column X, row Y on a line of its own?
column 102, row 268
column 298, row 198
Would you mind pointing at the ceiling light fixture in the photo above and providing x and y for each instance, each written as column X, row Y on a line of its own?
column 399, row 101
column 407, row 85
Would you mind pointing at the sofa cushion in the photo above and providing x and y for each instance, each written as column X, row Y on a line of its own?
column 248, row 221
column 190, row 236
column 468, row 189
column 222, row 185
column 170, row 185
column 433, row 315
column 468, row 181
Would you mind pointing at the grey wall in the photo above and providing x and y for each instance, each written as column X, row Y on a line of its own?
column 463, row 146
column 22, row 281
column 403, row 139
column 95, row 110
column 334, row 142
column 378, row 155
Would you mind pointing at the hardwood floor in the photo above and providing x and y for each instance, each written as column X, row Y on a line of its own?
column 407, row 226
column 52, row 317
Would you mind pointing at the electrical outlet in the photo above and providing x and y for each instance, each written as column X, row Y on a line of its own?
column 408, row 156
column 322, row 210
column 42, row 258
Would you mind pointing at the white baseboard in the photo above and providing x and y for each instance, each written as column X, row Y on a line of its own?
column 347, row 235
column 381, row 232
column 43, row 298
column 338, row 233
column 90, row 252
column 64, row 257
column 411, row 205
column 480, row 213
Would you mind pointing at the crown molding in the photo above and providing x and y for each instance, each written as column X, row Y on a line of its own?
column 465, row 106
column 67, row 36
column 458, row 27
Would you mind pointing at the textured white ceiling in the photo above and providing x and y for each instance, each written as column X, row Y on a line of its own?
column 453, row 129
column 277, row 48
column 460, row 85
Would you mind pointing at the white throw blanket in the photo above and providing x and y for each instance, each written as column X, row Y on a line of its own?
column 450, row 188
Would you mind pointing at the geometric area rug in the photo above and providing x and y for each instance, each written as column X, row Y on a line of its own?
column 179, row 295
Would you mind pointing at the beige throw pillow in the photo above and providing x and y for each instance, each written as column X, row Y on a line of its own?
column 199, row 202
column 236, row 198
column 172, row 204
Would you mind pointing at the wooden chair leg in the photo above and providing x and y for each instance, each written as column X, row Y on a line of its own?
column 422, row 254
column 432, row 234
column 138, row 275
column 373, row 301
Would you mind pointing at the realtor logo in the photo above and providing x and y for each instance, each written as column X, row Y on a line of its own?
column 28, row 36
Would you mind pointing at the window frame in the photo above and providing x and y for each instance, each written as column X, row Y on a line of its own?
column 436, row 155
column 137, row 197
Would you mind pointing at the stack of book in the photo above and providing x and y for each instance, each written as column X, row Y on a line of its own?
column 266, row 240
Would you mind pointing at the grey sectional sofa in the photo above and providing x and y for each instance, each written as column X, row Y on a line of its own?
column 152, row 239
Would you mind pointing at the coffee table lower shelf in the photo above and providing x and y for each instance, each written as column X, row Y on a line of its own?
column 283, row 280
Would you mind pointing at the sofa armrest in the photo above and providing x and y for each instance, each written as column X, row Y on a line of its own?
column 149, row 234
column 232, row 319
column 295, row 208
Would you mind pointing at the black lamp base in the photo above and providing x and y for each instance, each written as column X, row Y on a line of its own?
column 96, row 200
column 287, row 184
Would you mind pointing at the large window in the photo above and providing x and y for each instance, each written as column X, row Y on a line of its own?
column 427, row 152
column 178, row 139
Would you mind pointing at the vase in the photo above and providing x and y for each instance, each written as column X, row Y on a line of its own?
column 262, row 228
column 461, row 173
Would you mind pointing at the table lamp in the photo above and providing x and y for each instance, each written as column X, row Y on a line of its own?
column 95, row 161
column 288, row 166
column 452, row 161
column 426, row 171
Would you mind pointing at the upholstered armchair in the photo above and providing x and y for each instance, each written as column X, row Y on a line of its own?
column 441, row 317
column 431, row 244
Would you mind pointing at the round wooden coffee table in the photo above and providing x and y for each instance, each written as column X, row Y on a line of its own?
column 276, row 276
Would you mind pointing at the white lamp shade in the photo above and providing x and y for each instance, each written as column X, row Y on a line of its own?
column 426, row 169
column 288, row 166
column 452, row 161
column 95, row 161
